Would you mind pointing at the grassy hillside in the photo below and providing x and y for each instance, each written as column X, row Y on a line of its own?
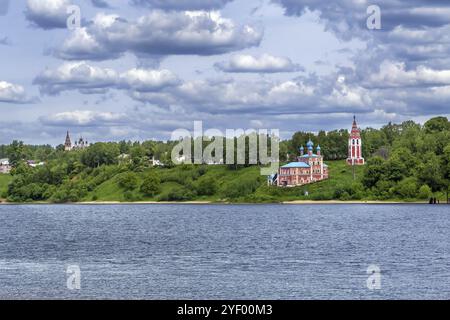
column 225, row 184
column 4, row 181
column 207, row 183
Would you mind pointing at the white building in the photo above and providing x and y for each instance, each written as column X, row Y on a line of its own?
column 5, row 166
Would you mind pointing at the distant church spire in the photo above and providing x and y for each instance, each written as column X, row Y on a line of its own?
column 68, row 143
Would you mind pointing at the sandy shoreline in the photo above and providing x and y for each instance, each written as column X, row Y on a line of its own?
column 296, row 202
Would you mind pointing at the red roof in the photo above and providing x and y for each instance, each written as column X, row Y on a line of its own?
column 355, row 134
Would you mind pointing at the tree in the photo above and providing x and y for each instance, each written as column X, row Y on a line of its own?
column 100, row 154
column 407, row 188
column 431, row 173
column 151, row 185
column 374, row 171
column 128, row 181
column 16, row 152
column 424, row 192
column 206, row 186
column 437, row 124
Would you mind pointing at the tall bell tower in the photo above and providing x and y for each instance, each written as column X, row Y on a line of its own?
column 355, row 146
column 68, row 143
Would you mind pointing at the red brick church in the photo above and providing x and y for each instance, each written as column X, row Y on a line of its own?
column 309, row 168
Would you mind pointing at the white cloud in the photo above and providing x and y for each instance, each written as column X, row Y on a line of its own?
column 12, row 93
column 394, row 74
column 265, row 63
column 183, row 5
column 83, row 118
column 90, row 79
column 47, row 14
column 148, row 80
column 159, row 33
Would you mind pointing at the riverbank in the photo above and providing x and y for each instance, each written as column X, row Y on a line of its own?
column 297, row 202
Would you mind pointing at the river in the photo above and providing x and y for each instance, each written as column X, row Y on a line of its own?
column 224, row 251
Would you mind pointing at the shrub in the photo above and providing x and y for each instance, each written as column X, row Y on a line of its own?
column 151, row 185
column 177, row 193
column 407, row 188
column 128, row 181
column 425, row 192
column 206, row 186
column 240, row 187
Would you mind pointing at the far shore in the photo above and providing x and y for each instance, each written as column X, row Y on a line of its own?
column 296, row 202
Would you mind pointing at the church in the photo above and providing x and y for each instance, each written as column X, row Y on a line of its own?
column 308, row 168
column 80, row 144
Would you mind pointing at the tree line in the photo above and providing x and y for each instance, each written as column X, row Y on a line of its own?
column 406, row 160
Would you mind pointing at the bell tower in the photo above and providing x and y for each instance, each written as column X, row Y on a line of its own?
column 68, row 143
column 355, row 146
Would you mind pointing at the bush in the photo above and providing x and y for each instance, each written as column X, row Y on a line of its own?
column 240, row 187
column 177, row 193
column 128, row 196
column 60, row 196
column 128, row 181
column 407, row 188
column 425, row 192
column 206, row 186
column 151, row 185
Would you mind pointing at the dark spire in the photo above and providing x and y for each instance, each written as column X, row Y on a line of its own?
column 68, row 142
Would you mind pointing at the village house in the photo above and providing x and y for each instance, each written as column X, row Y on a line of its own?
column 34, row 164
column 156, row 162
column 5, row 166
column 308, row 168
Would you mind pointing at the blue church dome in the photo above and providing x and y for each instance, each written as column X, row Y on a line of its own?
column 318, row 147
column 310, row 145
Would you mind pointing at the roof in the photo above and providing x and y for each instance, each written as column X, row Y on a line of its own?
column 308, row 156
column 296, row 165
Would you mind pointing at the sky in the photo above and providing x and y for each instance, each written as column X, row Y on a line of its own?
column 140, row 69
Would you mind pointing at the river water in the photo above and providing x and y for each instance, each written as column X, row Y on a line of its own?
column 224, row 251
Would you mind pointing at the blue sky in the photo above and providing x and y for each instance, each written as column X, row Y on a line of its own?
column 139, row 69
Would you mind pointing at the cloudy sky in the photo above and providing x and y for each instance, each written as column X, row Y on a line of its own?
column 139, row 69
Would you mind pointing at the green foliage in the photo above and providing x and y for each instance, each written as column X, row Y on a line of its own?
column 239, row 188
column 374, row 171
column 128, row 181
column 405, row 161
column 177, row 193
column 151, row 185
column 430, row 172
column 438, row 124
column 407, row 188
column 206, row 186
column 100, row 154
column 425, row 192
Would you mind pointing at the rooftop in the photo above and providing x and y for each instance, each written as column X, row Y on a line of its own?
column 296, row 165
column 309, row 156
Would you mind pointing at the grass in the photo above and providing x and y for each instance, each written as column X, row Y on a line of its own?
column 4, row 181
column 187, row 176
column 178, row 177
column 244, row 184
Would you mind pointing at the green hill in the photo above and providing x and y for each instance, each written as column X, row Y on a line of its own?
column 405, row 162
column 220, row 183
